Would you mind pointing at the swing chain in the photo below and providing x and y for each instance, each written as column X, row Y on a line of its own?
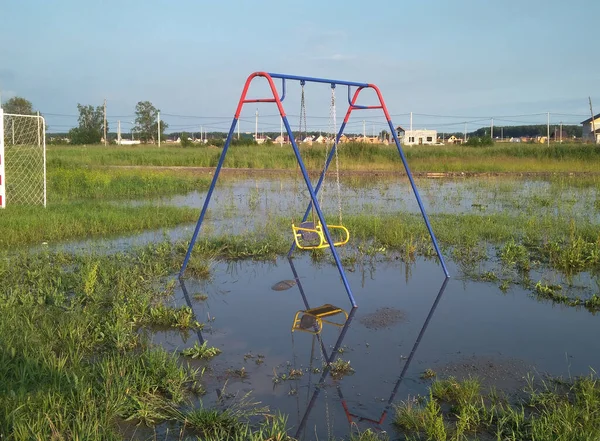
column 335, row 146
column 302, row 113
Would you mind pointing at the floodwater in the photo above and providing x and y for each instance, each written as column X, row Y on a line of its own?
column 395, row 334
column 475, row 329
column 244, row 204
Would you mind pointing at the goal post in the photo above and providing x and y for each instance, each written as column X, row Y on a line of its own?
column 22, row 159
column 2, row 184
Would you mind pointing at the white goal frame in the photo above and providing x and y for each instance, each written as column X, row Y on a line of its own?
column 23, row 158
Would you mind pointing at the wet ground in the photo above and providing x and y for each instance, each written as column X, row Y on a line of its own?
column 475, row 328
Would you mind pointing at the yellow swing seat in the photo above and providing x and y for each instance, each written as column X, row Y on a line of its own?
column 310, row 235
column 311, row 320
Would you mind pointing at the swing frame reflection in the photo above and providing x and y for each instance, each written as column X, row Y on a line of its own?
column 353, row 417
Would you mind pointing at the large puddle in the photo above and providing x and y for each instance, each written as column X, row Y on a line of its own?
column 474, row 330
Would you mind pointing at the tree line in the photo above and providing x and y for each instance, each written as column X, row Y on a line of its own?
column 90, row 128
column 530, row 131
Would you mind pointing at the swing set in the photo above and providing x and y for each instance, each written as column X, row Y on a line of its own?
column 315, row 234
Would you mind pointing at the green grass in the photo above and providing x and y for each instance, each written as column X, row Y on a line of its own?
column 203, row 351
column 460, row 410
column 498, row 158
column 72, row 361
column 89, row 184
column 22, row 225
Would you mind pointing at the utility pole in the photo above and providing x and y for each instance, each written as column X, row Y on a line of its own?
column 548, row 129
column 465, row 136
column 364, row 131
column 560, row 132
column 105, row 122
column 502, row 134
column 256, row 127
column 119, row 132
column 593, row 122
column 201, row 130
column 158, row 125
column 492, row 130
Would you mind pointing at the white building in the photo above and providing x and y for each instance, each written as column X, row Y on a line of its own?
column 419, row 137
column 589, row 127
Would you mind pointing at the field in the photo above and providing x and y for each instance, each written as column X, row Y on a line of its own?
column 100, row 340
column 514, row 158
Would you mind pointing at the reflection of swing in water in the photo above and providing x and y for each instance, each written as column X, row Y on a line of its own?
column 189, row 303
column 355, row 418
column 309, row 235
column 311, row 320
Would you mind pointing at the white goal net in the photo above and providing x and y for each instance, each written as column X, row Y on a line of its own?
column 22, row 160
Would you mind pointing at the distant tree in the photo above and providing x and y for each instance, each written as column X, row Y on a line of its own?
column 185, row 140
column 19, row 106
column 384, row 134
column 146, row 122
column 480, row 141
column 91, row 125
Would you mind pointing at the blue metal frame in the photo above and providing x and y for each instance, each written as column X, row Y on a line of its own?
column 313, row 191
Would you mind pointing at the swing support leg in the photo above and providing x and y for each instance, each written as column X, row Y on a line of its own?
column 208, row 196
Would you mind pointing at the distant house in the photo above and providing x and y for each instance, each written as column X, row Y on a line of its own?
column 368, row 139
column 282, row 140
column 591, row 129
column 454, row 140
column 320, row 139
column 308, row 140
column 419, row 137
column 261, row 139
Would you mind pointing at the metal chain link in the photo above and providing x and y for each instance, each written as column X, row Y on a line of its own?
column 335, row 146
column 302, row 114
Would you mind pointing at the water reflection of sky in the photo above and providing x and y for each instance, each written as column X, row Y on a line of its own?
column 472, row 321
column 261, row 197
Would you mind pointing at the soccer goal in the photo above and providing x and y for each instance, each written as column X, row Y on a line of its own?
column 22, row 159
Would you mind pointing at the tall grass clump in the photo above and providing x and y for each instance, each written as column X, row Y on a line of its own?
column 458, row 410
column 72, row 360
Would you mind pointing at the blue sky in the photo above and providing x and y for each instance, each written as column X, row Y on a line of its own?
column 469, row 59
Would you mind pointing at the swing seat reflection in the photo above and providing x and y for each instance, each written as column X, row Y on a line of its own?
column 311, row 236
column 311, row 320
